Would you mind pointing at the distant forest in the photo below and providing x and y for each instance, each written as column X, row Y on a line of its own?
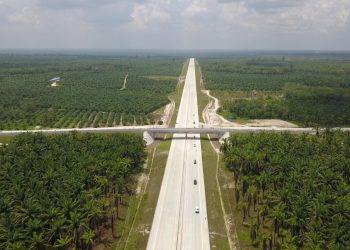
column 307, row 106
column 311, row 90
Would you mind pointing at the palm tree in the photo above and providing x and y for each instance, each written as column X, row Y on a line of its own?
column 278, row 215
column 88, row 238
column 245, row 211
column 95, row 213
column 38, row 241
column 58, row 226
column 14, row 246
column 103, row 183
column 254, row 233
column 253, row 191
column 77, row 223
column 64, row 242
column 237, row 195
column 263, row 181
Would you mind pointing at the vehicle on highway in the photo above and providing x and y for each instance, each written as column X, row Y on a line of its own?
column 195, row 162
column 195, row 182
column 196, row 210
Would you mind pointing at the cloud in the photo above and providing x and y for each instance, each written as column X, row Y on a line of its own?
column 267, row 5
column 195, row 8
column 176, row 23
column 299, row 16
column 26, row 15
column 148, row 14
column 75, row 4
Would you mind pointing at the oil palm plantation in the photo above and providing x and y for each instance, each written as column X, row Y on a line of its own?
column 299, row 184
column 59, row 191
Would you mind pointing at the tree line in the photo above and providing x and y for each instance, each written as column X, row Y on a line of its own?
column 271, row 73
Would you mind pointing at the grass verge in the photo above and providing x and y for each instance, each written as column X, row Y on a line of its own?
column 139, row 217
column 202, row 99
column 234, row 214
column 177, row 94
column 217, row 232
column 5, row 139
column 176, row 97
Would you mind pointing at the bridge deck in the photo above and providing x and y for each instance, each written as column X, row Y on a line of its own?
column 167, row 130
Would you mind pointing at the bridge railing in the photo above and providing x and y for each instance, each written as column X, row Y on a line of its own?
column 169, row 130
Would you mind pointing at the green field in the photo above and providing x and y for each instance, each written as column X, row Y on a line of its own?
column 89, row 94
column 308, row 89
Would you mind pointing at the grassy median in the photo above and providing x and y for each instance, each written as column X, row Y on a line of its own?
column 177, row 94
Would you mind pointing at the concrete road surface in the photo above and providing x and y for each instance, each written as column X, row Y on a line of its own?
column 154, row 129
column 176, row 225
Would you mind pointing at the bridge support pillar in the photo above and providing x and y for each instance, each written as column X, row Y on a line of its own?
column 148, row 137
column 223, row 136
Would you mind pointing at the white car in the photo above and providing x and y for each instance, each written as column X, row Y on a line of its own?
column 196, row 210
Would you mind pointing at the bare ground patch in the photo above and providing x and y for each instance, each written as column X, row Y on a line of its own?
column 211, row 117
column 269, row 123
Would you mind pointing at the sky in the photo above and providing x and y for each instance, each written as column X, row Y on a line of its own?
column 176, row 24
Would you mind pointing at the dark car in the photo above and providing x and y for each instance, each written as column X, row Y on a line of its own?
column 195, row 182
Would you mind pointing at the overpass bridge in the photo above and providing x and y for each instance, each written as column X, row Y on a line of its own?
column 150, row 131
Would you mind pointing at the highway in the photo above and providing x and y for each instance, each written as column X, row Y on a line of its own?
column 176, row 225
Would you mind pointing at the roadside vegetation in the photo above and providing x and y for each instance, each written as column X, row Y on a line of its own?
column 216, row 219
column 308, row 89
column 307, row 106
column 66, row 191
column 88, row 94
column 290, row 191
column 137, row 233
